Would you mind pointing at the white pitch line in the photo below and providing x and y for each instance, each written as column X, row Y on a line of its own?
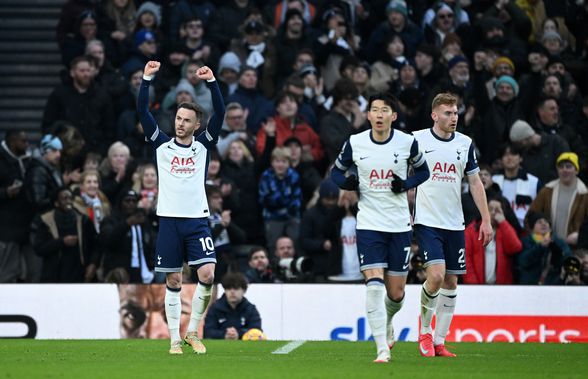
column 287, row 348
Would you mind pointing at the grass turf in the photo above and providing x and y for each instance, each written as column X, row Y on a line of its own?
column 238, row 359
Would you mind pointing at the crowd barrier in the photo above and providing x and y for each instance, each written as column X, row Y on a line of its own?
column 294, row 312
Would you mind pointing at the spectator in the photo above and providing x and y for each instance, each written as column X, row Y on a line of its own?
column 491, row 264
column 336, row 42
column 516, row 184
column 280, row 197
column 145, row 185
column 278, row 12
column 74, row 44
column 320, row 232
column 427, row 65
column 234, row 129
column 442, row 22
column 564, row 201
column 287, row 124
column 199, row 47
column 257, row 50
column 229, row 67
column 43, row 178
column 239, row 167
column 145, row 49
column 116, row 171
column 292, row 36
column 225, row 233
column 397, row 22
column 543, row 252
column 84, row 105
column 259, row 270
column 229, row 191
column 148, row 17
column 232, row 315
column 309, row 176
column 66, row 242
column 90, row 201
column 508, row 38
column 284, row 255
column 497, row 115
column 189, row 9
column 181, row 93
column 116, row 22
column 226, row 21
column 129, row 241
column 171, row 70
column 15, row 210
column 106, row 75
column 344, row 119
column 250, row 98
column 348, row 267
column 539, row 150
column 69, row 14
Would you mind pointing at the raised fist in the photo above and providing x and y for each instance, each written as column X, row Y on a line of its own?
column 204, row 73
column 151, row 68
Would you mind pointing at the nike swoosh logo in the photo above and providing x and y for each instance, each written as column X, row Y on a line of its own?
column 209, row 252
column 404, row 267
column 172, row 305
column 428, row 151
column 362, row 158
column 462, row 266
column 448, row 306
column 423, row 351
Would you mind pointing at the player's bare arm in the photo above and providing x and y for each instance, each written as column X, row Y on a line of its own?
column 479, row 195
column 151, row 68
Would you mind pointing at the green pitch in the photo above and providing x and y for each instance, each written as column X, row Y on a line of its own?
column 240, row 360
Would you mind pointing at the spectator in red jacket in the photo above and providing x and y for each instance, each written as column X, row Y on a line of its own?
column 492, row 264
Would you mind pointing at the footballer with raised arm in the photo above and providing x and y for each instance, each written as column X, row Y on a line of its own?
column 382, row 156
column 438, row 219
column 182, row 162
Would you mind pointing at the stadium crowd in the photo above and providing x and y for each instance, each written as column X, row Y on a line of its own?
column 296, row 76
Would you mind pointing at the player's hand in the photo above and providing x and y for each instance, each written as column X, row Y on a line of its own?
column 485, row 234
column 351, row 183
column 204, row 73
column 151, row 68
column 398, row 185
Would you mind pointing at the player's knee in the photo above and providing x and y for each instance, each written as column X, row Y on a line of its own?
column 174, row 280
column 435, row 280
column 206, row 274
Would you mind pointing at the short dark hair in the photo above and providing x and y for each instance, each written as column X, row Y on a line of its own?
column 514, row 149
column 344, row 89
column 193, row 107
column 283, row 95
column 234, row 280
column 212, row 190
column 12, row 134
column 81, row 58
column 387, row 98
column 255, row 249
column 55, row 195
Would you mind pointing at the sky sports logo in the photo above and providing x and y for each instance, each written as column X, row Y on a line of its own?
column 507, row 328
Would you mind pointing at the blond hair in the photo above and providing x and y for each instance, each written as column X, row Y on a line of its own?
column 444, row 98
column 281, row 153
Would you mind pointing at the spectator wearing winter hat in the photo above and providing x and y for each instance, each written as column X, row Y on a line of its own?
column 144, row 51
column 229, row 67
column 74, row 44
column 397, row 22
column 444, row 24
column 44, row 178
column 291, row 37
column 539, row 150
column 320, row 229
column 543, row 252
column 148, row 17
column 183, row 92
column 564, row 201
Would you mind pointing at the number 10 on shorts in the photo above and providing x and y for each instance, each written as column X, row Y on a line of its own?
column 207, row 244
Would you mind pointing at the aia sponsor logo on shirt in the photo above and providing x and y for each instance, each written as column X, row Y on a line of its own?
column 381, row 179
column 180, row 166
column 444, row 172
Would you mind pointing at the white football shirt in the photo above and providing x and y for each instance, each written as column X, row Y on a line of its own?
column 380, row 209
column 438, row 200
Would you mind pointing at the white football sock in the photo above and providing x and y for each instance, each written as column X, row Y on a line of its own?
column 173, row 312
column 428, row 303
column 392, row 307
column 376, row 312
column 445, row 309
column 200, row 301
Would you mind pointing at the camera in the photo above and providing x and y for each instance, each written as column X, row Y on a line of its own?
column 293, row 267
